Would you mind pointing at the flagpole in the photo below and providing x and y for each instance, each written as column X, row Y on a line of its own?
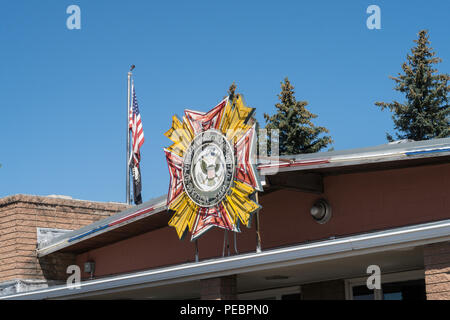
column 127, row 153
column 258, row 235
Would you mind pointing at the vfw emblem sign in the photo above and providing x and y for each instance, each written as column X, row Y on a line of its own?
column 212, row 169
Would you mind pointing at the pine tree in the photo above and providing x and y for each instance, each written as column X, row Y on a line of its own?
column 425, row 114
column 297, row 134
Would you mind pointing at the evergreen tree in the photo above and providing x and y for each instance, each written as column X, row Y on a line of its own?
column 297, row 134
column 425, row 114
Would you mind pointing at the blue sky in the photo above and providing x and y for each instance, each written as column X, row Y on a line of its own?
column 63, row 92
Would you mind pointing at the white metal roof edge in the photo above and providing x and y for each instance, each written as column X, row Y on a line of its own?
column 159, row 204
column 294, row 255
column 382, row 153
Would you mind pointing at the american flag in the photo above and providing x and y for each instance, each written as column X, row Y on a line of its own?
column 137, row 132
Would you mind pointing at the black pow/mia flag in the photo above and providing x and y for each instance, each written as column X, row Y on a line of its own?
column 137, row 186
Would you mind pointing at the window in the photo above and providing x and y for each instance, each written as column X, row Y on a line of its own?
column 404, row 290
column 363, row 293
column 398, row 286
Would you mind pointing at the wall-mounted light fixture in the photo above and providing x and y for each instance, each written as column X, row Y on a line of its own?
column 321, row 211
column 89, row 267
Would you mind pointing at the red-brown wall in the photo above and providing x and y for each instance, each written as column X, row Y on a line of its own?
column 361, row 202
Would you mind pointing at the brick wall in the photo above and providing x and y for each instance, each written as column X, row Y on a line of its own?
column 21, row 215
column 437, row 271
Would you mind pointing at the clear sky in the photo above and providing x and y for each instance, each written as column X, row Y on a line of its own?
column 63, row 92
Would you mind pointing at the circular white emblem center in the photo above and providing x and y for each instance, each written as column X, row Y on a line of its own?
column 208, row 168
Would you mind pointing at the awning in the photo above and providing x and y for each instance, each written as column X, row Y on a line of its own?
column 347, row 247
